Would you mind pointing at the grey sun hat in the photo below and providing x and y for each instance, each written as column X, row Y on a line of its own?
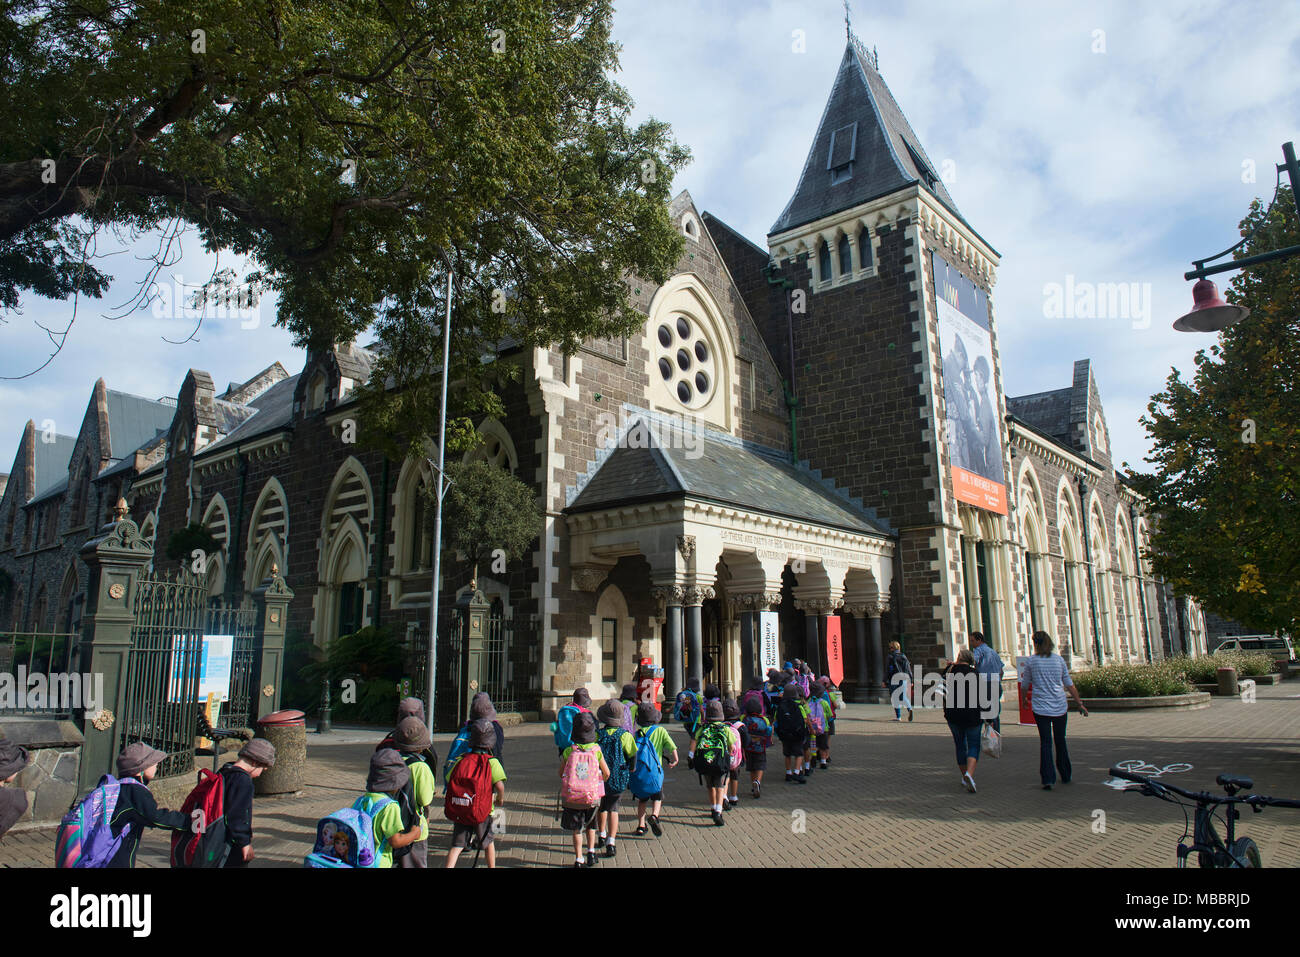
column 584, row 729
column 628, row 693
column 611, row 713
column 482, row 735
column 482, row 707
column 388, row 772
column 259, row 751
column 714, row 711
column 646, row 715
column 137, row 758
column 582, row 697
column 411, row 735
column 730, row 709
column 12, row 758
column 410, row 708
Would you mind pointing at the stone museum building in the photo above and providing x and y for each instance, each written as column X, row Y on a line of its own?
column 789, row 431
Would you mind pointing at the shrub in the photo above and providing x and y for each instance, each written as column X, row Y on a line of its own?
column 1132, row 681
column 372, row 658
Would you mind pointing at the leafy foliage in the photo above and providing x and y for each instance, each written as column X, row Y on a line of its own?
column 1226, row 448
column 372, row 657
column 182, row 542
column 488, row 508
column 1176, row 675
column 346, row 149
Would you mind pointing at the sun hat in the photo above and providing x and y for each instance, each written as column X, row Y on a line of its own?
column 137, row 758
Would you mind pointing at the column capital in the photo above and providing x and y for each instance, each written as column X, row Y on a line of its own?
column 686, row 546
column 697, row 594
column 816, row 606
column 858, row 609
column 588, row 577
column 668, row 594
column 755, row 601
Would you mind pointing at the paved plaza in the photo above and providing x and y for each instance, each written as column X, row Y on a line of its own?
column 892, row 798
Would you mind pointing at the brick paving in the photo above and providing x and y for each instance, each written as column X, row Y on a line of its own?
column 892, row 798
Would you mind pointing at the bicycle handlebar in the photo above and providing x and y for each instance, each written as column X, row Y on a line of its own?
column 1204, row 797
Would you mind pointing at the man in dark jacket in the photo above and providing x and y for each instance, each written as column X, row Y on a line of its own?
column 254, row 758
column 136, row 808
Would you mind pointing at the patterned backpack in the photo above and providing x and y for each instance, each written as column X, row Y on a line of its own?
column 85, row 838
column 737, row 755
column 620, row 772
column 816, row 716
column 346, row 838
column 581, row 785
column 713, row 749
column 760, row 733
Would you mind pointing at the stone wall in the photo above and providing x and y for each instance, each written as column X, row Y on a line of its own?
column 50, row 778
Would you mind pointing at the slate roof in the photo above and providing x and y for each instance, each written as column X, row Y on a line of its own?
column 133, row 420
column 1048, row 412
column 272, row 410
column 51, row 460
column 862, row 122
column 718, row 468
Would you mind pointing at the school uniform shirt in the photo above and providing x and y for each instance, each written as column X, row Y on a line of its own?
column 238, row 805
column 627, row 742
column 498, row 774
column 421, row 789
column 660, row 740
column 136, row 809
column 388, row 823
column 1048, row 677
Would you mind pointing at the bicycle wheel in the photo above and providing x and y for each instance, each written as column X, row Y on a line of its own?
column 1247, row 852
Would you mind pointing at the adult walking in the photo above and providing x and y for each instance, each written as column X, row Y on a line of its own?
column 1047, row 676
column 990, row 668
column 961, row 710
column 900, row 687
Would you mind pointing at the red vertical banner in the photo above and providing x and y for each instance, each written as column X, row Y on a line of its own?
column 834, row 650
column 1026, row 705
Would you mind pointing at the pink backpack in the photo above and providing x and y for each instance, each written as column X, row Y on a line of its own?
column 737, row 755
column 581, row 785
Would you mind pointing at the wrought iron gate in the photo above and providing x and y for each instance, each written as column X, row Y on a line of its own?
column 240, row 707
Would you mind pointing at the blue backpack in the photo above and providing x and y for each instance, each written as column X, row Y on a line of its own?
column 687, row 708
column 760, row 733
column 357, row 826
column 611, row 745
column 648, row 776
column 459, row 747
column 85, row 836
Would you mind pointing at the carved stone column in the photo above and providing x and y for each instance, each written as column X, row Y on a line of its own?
column 874, row 611
column 815, row 610
column 865, row 690
column 671, row 597
column 695, row 596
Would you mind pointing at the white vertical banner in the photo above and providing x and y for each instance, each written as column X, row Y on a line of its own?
column 769, row 650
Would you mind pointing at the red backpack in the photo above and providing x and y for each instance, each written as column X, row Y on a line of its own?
column 204, row 845
column 469, row 790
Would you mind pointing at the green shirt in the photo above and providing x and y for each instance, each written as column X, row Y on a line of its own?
column 564, row 756
column 388, row 824
column 498, row 774
column 628, row 742
column 660, row 740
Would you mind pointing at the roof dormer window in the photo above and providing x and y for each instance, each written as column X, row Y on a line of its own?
column 927, row 174
column 843, row 150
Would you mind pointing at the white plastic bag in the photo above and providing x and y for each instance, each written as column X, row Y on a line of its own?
column 990, row 741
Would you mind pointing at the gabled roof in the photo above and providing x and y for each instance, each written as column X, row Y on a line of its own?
column 272, row 410
column 661, row 462
column 863, row 126
column 1048, row 412
column 51, row 460
column 134, row 420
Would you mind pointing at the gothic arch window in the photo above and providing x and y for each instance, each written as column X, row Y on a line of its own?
column 317, row 391
column 66, row 610
column 344, row 595
column 690, row 227
column 268, row 535
column 1076, row 586
column 411, row 554
column 846, row 256
column 864, row 248
column 216, row 519
column 40, row 608
column 495, row 447
column 824, row 261
column 1038, row 569
column 1099, row 542
column 147, row 527
column 1098, row 434
column 82, row 496
column 1128, row 586
column 16, row 610
column 983, row 578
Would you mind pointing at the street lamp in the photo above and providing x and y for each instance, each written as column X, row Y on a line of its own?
column 1209, row 313
column 443, row 485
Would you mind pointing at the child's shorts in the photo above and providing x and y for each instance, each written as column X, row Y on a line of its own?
column 792, row 747
column 462, row 833
column 610, row 801
column 823, row 741
column 657, row 796
column 713, row 778
column 756, row 761
column 579, row 819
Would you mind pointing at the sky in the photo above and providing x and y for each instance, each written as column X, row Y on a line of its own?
column 1088, row 143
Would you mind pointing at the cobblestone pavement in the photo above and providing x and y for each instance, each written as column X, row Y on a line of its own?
column 891, row 798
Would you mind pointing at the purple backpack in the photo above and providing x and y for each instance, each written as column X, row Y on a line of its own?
column 629, row 717
column 85, row 836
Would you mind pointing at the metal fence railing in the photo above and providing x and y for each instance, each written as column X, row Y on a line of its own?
column 240, row 707
column 41, row 678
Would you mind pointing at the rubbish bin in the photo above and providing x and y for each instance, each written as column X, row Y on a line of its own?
column 1228, row 681
column 287, row 731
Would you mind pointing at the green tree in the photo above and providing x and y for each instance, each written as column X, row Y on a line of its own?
column 1226, row 447
column 183, row 542
column 487, row 509
column 344, row 148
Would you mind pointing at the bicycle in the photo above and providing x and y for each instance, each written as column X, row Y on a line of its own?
column 1210, row 849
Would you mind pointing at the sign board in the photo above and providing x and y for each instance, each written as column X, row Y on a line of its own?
column 215, row 666
column 1026, row 702
column 769, row 647
column 973, row 428
column 834, row 650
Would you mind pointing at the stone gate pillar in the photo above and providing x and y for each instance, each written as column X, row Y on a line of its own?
column 115, row 558
column 271, row 601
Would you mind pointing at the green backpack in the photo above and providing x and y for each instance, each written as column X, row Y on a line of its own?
column 713, row 749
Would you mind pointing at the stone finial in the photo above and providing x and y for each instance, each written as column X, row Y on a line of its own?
column 120, row 510
column 275, row 570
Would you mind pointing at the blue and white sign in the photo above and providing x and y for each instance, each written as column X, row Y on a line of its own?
column 215, row 666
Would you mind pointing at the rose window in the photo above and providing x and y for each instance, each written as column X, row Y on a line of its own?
column 686, row 362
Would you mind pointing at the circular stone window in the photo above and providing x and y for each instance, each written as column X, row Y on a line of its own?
column 686, row 362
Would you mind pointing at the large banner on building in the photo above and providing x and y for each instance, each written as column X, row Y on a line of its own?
column 973, row 431
column 769, row 651
column 834, row 651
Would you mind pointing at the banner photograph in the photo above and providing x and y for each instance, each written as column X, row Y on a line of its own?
column 973, row 432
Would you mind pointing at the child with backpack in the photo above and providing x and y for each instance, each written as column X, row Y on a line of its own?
column 136, row 808
column 583, row 773
column 898, row 679
column 759, row 738
column 816, row 709
column 619, row 749
column 477, row 787
column 388, row 776
column 627, row 698
column 238, row 777
column 562, row 726
column 713, row 754
column 792, row 728
column 731, row 712
column 13, row 801
column 755, row 691
column 688, row 708
column 823, row 689
column 412, row 740
column 480, row 707
column 653, row 744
